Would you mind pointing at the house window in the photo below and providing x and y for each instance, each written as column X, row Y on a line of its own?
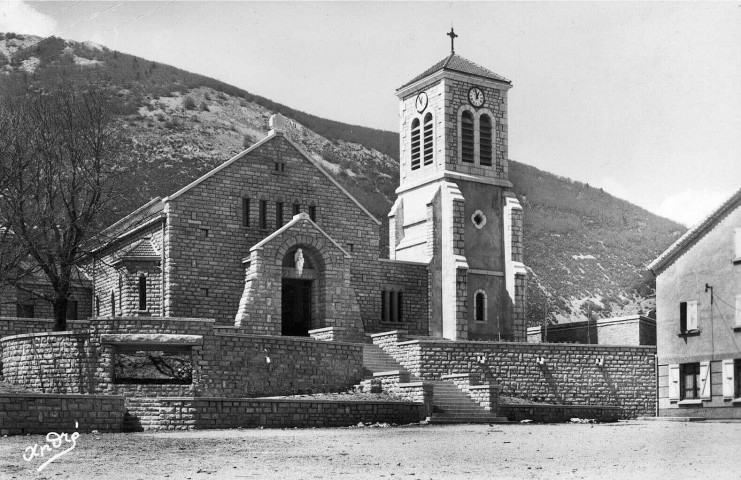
column 203, row 231
column 467, row 137
column 97, row 306
column 687, row 316
column 24, row 310
column 245, row 212
column 278, row 215
column 690, row 380
column 142, row 292
column 312, row 213
column 737, row 378
column 113, row 304
column 738, row 310
column 485, row 140
column 737, row 244
column 480, row 306
column 263, row 214
column 428, row 140
column 296, row 209
column 415, row 144
column 350, row 247
column 204, row 291
column 71, row 309
column 391, row 306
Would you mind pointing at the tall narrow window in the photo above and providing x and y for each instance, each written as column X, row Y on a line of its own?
column 312, row 213
column 113, row 304
column 485, row 140
column 97, row 306
column 415, row 144
column 480, row 306
column 690, row 378
column 245, row 212
column 391, row 306
column 296, row 208
column 263, row 214
column 429, row 151
column 278, row 215
column 467, row 137
column 142, row 292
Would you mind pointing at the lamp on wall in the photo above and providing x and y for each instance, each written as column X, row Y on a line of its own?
column 600, row 361
column 540, row 360
column 481, row 359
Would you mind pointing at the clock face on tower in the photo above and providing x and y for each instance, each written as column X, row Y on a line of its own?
column 421, row 102
column 475, row 97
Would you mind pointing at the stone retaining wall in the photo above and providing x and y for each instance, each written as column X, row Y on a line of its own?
column 23, row 413
column 215, row 412
column 568, row 375
column 559, row 413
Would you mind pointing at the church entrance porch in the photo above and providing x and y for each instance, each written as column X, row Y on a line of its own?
column 296, row 307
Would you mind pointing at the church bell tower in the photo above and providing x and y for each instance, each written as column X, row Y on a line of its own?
column 455, row 209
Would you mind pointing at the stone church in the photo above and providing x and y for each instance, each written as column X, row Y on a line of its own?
column 270, row 243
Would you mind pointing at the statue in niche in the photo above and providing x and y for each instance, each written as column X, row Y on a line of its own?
column 299, row 260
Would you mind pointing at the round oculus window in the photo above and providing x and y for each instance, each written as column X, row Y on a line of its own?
column 479, row 219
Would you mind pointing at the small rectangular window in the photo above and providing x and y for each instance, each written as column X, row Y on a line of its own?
column 278, row 215
column 203, row 232
column 296, row 209
column 391, row 306
column 263, row 214
column 350, row 247
column 97, row 306
column 204, row 292
column 683, row 317
column 312, row 213
column 245, row 212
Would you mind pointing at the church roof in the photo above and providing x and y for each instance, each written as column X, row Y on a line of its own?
column 456, row 63
column 694, row 233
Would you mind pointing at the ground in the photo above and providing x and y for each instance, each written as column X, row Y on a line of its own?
column 653, row 450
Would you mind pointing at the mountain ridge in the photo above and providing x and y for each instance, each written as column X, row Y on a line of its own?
column 586, row 250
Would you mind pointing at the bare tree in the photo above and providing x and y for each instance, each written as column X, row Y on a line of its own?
column 61, row 156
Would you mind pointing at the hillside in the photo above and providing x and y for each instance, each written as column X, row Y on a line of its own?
column 586, row 249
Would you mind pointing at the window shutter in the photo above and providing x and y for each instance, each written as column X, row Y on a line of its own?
column 738, row 310
column 674, row 382
column 692, row 315
column 737, row 242
column 705, row 380
column 728, row 378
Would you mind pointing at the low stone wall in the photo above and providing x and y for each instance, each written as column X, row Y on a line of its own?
column 559, row 413
column 628, row 330
column 562, row 374
column 217, row 412
column 24, row 413
column 225, row 362
column 17, row 326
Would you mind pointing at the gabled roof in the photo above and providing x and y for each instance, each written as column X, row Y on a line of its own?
column 456, row 63
column 143, row 249
column 258, row 145
column 142, row 215
column 694, row 234
column 301, row 217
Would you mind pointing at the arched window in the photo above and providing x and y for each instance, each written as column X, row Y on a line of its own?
column 113, row 304
column 467, row 137
column 428, row 154
column 142, row 292
column 480, row 306
column 485, row 140
column 97, row 306
column 415, row 144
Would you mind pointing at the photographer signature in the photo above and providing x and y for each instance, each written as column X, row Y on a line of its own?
column 56, row 440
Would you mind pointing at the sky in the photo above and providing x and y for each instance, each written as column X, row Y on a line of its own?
column 641, row 99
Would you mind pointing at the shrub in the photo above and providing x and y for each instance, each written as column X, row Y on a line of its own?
column 204, row 107
column 189, row 103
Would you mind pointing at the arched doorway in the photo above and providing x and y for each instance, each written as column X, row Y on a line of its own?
column 301, row 289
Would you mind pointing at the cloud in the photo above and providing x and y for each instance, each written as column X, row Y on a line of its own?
column 691, row 206
column 19, row 17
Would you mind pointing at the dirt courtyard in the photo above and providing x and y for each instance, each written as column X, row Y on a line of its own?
column 645, row 450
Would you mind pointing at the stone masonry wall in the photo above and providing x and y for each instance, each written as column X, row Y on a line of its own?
column 22, row 414
column 10, row 297
column 228, row 363
column 569, row 374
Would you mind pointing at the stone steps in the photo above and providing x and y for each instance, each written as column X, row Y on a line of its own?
column 452, row 405
column 376, row 360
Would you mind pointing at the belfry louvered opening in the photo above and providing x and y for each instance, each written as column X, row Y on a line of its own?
column 485, row 140
column 415, row 144
column 467, row 137
column 428, row 153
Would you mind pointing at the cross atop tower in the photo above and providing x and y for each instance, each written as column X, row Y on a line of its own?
column 452, row 36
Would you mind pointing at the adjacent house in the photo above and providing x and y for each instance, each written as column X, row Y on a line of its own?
column 698, row 310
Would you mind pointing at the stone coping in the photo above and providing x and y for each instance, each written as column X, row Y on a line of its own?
column 403, row 262
column 390, row 332
column 44, row 334
column 484, row 387
column 151, row 339
column 59, row 395
column 390, row 373
column 550, row 405
column 457, row 375
column 281, row 400
column 558, row 346
column 285, row 338
column 414, row 384
column 326, row 329
column 152, row 318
